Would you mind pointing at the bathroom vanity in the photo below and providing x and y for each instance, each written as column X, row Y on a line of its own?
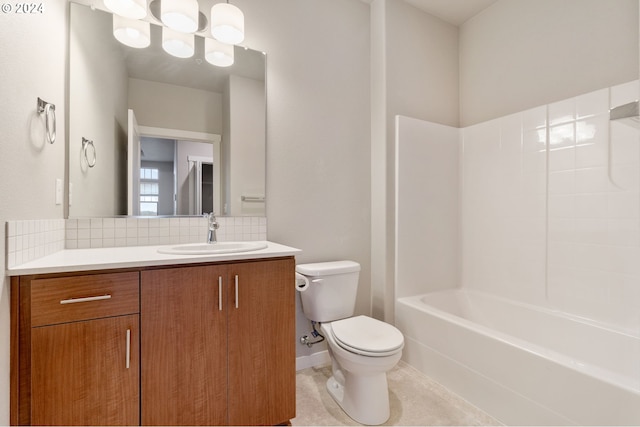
column 129, row 336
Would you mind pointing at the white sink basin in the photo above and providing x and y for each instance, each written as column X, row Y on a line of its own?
column 213, row 248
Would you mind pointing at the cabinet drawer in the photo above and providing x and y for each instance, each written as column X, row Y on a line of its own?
column 69, row 299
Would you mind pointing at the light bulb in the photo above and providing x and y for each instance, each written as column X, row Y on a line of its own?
column 219, row 54
column 227, row 23
column 131, row 32
column 178, row 44
column 180, row 15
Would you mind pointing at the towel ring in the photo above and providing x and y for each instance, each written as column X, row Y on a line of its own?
column 89, row 153
column 49, row 111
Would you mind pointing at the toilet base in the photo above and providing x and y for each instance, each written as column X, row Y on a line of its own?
column 364, row 398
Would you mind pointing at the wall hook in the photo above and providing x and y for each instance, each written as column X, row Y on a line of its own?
column 49, row 111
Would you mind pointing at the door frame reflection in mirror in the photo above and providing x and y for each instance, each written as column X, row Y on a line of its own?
column 190, row 136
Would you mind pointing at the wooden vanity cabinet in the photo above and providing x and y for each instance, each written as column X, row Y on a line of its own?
column 82, row 374
column 261, row 328
column 78, row 342
column 184, row 340
column 218, row 344
column 206, row 344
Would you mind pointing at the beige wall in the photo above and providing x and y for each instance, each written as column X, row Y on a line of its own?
column 518, row 54
column 419, row 57
column 175, row 107
column 422, row 65
column 33, row 57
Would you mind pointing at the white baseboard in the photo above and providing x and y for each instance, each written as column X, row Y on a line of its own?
column 316, row 359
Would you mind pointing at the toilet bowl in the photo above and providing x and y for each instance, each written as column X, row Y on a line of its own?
column 359, row 381
column 362, row 349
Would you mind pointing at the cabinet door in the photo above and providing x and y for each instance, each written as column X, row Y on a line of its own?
column 86, row 373
column 184, row 347
column 262, row 343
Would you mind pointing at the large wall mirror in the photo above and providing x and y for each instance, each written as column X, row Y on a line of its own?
column 153, row 134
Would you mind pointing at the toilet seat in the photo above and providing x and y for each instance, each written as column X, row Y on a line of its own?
column 367, row 336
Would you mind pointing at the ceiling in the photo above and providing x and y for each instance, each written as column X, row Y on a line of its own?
column 455, row 12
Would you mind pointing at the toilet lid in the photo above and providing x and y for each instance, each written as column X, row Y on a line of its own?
column 367, row 336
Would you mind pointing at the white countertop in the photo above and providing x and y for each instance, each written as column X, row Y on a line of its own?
column 70, row 260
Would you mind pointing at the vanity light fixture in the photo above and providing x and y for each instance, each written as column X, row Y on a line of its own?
column 178, row 44
column 131, row 32
column 227, row 23
column 132, row 9
column 180, row 15
column 219, row 54
column 180, row 20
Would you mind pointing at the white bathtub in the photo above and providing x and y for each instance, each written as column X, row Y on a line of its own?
column 520, row 363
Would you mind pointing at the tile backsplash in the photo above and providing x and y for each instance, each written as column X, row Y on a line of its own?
column 33, row 239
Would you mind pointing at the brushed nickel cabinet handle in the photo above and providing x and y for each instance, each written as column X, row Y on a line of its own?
column 237, row 291
column 220, row 293
column 86, row 299
column 128, row 348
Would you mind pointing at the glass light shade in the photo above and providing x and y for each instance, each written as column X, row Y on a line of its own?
column 132, row 9
column 227, row 23
column 180, row 15
column 216, row 53
column 178, row 44
column 131, row 32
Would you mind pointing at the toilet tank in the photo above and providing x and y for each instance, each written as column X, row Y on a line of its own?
column 332, row 290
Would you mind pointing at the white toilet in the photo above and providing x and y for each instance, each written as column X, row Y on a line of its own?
column 362, row 349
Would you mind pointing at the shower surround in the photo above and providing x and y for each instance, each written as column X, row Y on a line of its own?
column 540, row 207
column 551, row 208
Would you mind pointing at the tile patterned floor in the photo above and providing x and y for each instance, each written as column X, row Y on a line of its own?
column 415, row 400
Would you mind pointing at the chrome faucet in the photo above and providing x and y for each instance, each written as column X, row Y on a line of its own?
column 213, row 226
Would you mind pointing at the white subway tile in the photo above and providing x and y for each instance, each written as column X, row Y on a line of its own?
column 562, row 111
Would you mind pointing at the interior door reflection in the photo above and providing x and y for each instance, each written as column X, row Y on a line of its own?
column 178, row 177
